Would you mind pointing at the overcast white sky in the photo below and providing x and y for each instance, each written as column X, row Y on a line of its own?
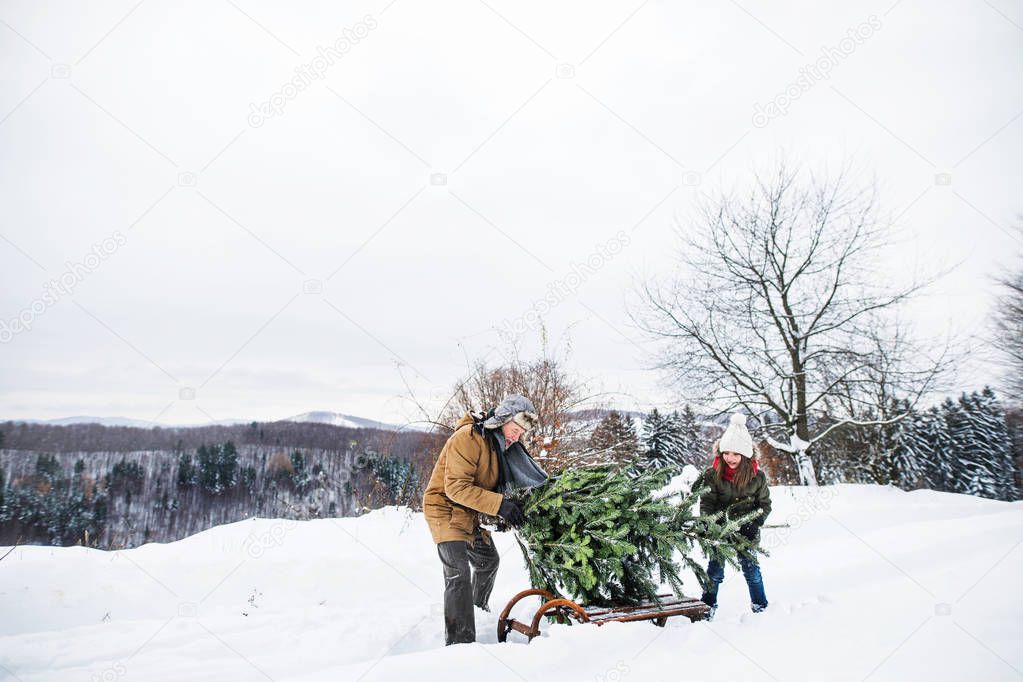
column 553, row 126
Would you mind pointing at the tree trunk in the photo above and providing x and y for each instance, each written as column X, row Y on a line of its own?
column 805, row 466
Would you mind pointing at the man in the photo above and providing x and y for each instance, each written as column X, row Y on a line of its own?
column 464, row 484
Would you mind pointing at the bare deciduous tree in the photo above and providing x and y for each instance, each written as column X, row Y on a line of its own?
column 554, row 392
column 779, row 306
column 548, row 386
column 1009, row 329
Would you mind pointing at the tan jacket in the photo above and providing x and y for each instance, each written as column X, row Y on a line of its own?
column 461, row 485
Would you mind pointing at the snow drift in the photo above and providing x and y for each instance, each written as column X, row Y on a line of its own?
column 863, row 582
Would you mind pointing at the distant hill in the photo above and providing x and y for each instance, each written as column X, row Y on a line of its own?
column 315, row 417
column 350, row 421
column 124, row 421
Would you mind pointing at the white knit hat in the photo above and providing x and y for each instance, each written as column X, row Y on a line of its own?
column 736, row 437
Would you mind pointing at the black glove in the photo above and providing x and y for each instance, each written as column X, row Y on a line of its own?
column 750, row 531
column 511, row 512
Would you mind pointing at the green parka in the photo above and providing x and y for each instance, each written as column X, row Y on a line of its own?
column 723, row 495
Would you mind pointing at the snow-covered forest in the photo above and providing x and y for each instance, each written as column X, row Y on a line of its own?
column 119, row 487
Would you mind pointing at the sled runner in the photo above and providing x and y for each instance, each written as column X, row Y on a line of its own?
column 669, row 606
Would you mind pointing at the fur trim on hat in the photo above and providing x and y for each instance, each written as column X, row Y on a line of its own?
column 515, row 408
column 527, row 420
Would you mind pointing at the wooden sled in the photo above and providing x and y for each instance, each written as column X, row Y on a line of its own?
column 561, row 609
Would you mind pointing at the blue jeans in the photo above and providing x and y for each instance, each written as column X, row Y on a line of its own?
column 754, row 581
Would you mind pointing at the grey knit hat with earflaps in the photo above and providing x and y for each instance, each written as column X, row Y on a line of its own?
column 514, row 408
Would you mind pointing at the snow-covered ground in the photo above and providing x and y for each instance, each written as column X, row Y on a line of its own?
column 867, row 583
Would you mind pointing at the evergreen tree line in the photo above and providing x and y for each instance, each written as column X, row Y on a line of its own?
column 966, row 445
column 56, row 508
column 216, row 471
column 670, row 440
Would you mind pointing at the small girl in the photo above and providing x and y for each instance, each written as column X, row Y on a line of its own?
column 736, row 484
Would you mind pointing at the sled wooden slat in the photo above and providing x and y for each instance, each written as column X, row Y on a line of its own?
column 669, row 606
column 561, row 609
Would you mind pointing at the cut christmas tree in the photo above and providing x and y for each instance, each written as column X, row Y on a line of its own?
column 599, row 537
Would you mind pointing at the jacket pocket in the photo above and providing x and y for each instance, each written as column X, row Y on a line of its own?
column 462, row 519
